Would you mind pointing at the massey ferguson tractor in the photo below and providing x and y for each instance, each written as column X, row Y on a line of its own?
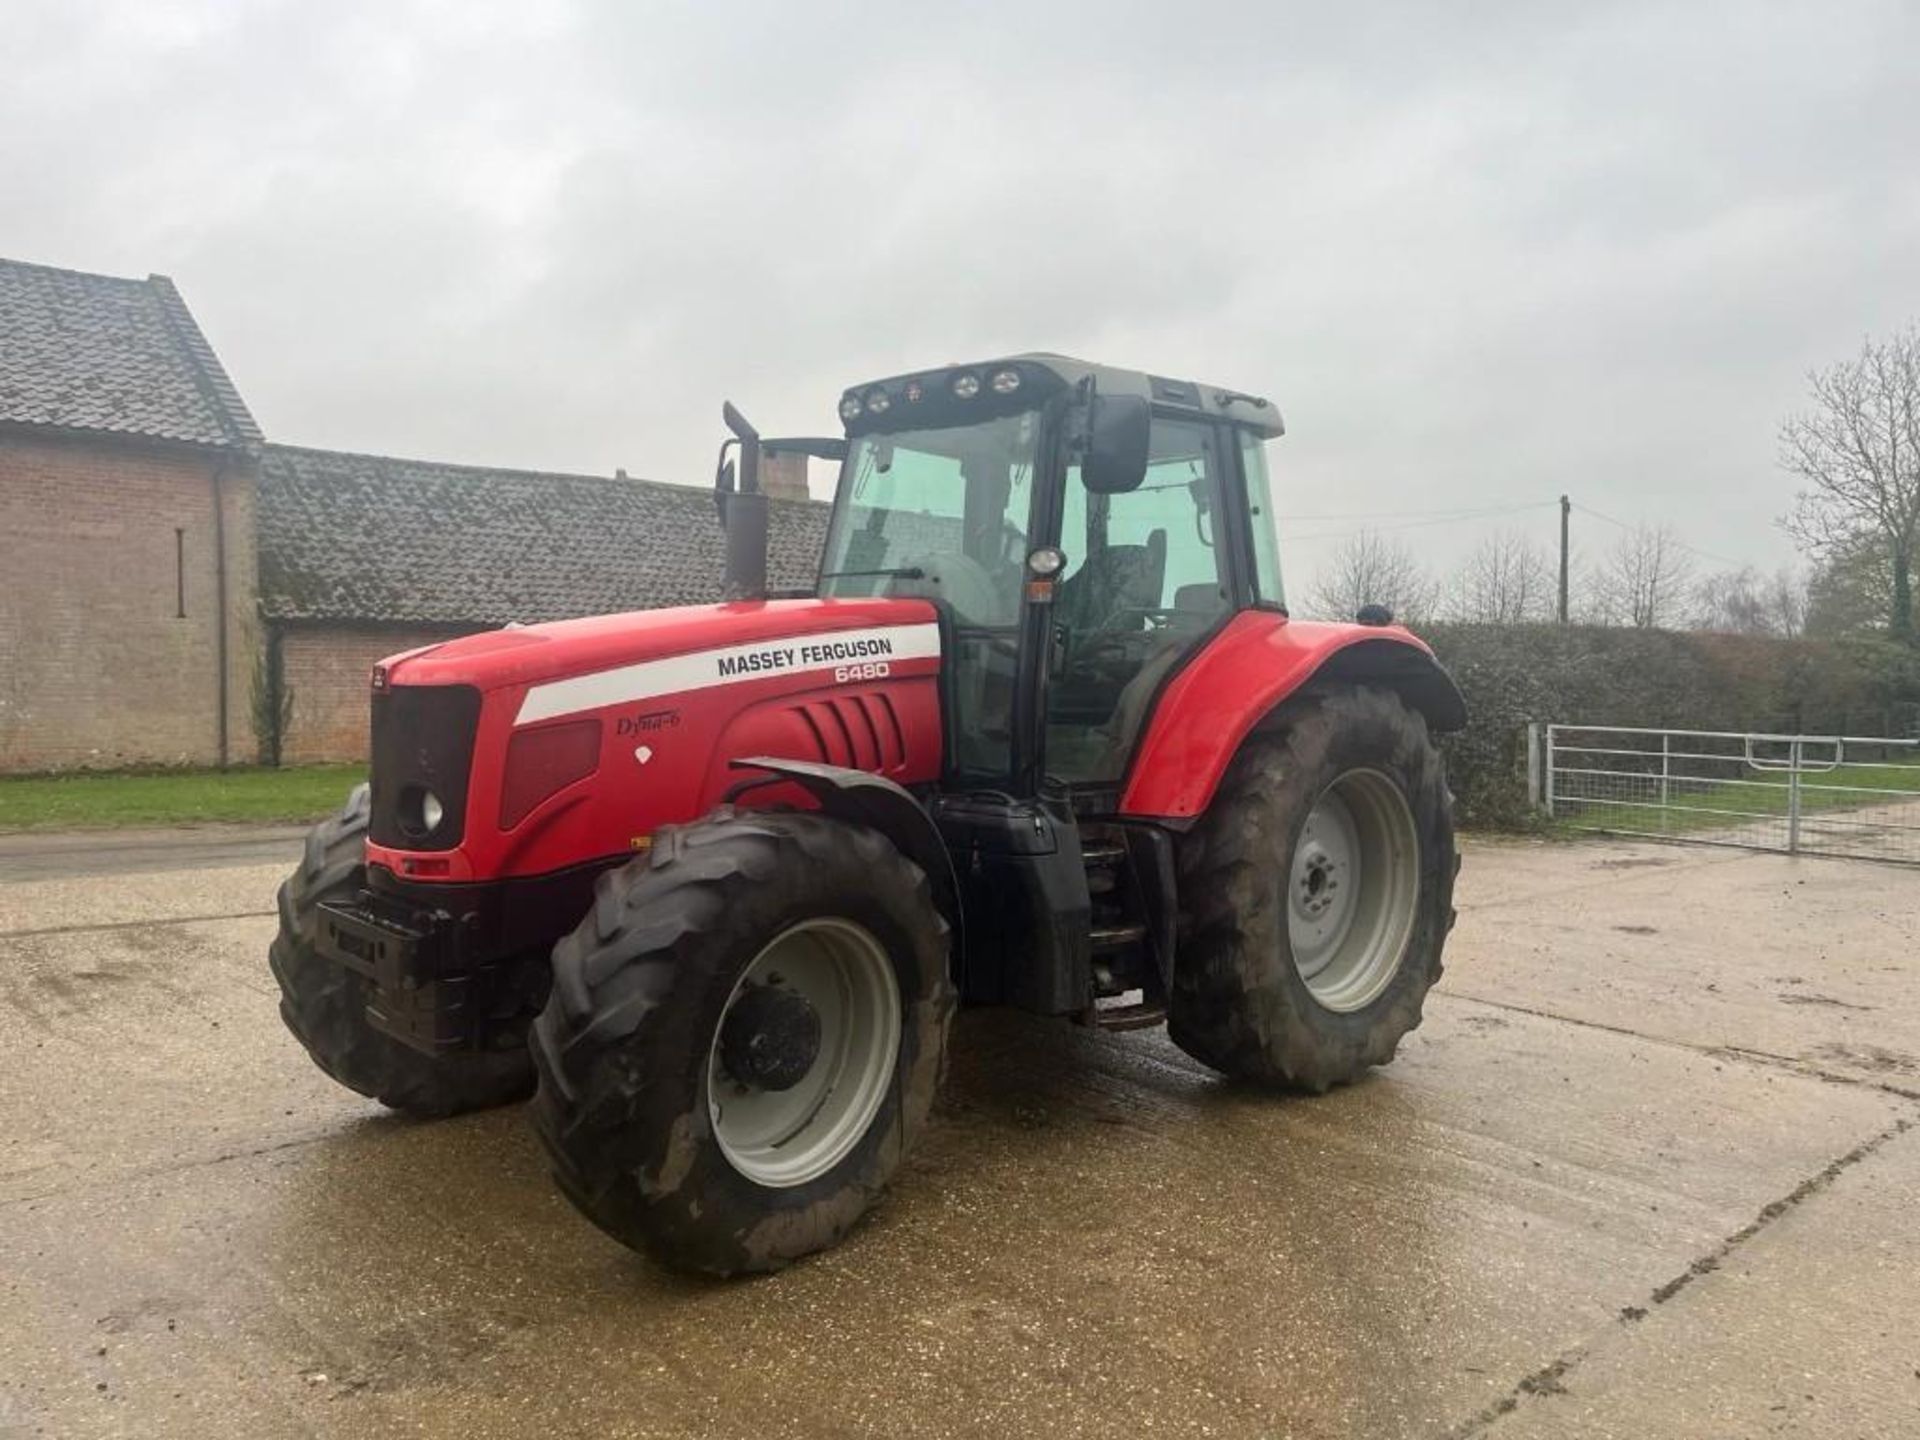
column 709, row 882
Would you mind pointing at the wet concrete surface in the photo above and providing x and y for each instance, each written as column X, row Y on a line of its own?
column 36, row 854
column 1626, row 1180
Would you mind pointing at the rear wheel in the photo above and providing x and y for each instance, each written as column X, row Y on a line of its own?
column 325, row 1004
column 1317, row 894
column 743, row 1037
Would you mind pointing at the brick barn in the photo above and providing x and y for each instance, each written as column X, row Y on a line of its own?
column 175, row 591
column 127, row 473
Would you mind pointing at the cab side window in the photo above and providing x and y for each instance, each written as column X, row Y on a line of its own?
column 1144, row 581
column 1261, row 518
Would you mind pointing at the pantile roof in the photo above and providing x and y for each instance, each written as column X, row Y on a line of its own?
column 105, row 355
column 372, row 538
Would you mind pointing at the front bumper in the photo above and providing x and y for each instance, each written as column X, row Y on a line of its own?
column 455, row 967
column 426, row 993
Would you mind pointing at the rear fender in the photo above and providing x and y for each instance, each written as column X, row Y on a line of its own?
column 1243, row 676
column 876, row 802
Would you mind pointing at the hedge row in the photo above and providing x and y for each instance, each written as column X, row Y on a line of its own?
column 1512, row 675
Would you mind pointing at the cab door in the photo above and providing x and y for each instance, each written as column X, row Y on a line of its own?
column 1147, row 580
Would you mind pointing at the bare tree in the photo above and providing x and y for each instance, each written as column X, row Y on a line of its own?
column 1858, row 450
column 1745, row 602
column 1791, row 600
column 1370, row 569
column 1644, row 580
column 1506, row 581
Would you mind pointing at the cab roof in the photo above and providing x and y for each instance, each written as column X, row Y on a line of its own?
column 1254, row 412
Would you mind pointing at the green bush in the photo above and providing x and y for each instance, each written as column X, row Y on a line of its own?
column 1515, row 674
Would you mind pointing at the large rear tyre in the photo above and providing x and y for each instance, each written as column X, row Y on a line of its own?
column 1317, row 893
column 743, row 1038
column 325, row 1004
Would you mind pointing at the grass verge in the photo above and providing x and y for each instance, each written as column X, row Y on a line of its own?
column 1759, row 798
column 85, row 800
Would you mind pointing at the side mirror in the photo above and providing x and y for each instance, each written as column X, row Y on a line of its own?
column 1116, row 456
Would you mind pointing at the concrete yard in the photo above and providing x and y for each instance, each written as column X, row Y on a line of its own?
column 1649, row 1169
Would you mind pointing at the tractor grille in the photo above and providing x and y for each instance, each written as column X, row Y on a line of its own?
column 422, row 742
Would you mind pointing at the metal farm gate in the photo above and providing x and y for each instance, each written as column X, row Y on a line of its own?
column 1800, row 794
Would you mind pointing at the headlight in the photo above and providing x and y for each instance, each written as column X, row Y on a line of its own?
column 1005, row 382
column 420, row 812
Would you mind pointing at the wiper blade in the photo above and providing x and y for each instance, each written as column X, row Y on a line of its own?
column 904, row 572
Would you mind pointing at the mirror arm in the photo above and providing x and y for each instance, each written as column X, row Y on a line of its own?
column 723, row 481
column 749, row 447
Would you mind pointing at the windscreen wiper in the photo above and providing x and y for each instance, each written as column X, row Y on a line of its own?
column 904, row 572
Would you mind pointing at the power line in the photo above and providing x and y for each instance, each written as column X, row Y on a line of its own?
column 1692, row 549
column 1450, row 518
column 1463, row 510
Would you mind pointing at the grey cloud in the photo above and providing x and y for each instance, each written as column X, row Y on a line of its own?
column 1476, row 253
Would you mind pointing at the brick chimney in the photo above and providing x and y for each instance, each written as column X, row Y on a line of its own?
column 783, row 475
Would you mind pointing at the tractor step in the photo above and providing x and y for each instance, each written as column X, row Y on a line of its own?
column 1104, row 861
column 1129, row 1010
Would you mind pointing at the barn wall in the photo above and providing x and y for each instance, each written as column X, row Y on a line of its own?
column 327, row 667
column 109, row 637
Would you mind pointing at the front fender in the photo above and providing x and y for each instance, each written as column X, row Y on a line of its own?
column 862, row 798
column 1252, row 666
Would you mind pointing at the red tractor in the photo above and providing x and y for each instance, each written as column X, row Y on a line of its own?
column 711, row 881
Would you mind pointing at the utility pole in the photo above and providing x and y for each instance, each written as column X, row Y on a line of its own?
column 1566, row 508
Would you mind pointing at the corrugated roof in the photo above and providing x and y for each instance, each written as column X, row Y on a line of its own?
column 97, row 353
column 374, row 538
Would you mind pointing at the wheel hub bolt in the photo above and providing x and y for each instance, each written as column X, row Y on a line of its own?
column 1317, row 884
column 770, row 1038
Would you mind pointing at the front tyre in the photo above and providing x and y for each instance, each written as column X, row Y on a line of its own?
column 1317, row 894
column 744, row 1036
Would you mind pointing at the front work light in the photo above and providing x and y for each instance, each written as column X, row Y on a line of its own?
column 966, row 386
column 1047, row 561
column 1005, row 382
column 877, row 402
column 850, row 407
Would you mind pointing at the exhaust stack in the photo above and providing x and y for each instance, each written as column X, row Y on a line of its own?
column 743, row 512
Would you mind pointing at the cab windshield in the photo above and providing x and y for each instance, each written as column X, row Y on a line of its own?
column 942, row 515
column 950, row 504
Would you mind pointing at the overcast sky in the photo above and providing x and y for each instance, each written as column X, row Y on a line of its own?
column 1479, row 254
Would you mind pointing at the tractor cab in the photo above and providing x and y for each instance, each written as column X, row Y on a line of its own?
column 1084, row 529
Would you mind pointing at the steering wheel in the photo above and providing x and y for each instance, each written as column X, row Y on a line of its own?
column 1158, row 617
column 995, row 639
column 960, row 580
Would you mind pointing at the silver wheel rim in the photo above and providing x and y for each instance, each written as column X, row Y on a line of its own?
column 1353, row 890
column 782, row 1137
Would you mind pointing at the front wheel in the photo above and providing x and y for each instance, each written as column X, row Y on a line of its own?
column 1317, row 894
column 743, row 1037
